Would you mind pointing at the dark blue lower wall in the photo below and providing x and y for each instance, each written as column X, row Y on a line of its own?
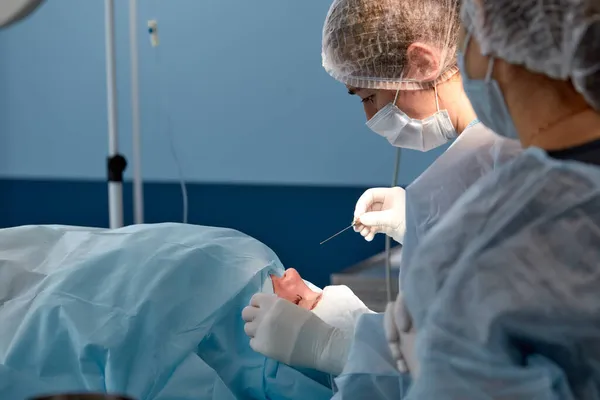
column 292, row 220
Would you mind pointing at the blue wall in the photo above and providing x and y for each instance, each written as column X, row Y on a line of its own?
column 238, row 86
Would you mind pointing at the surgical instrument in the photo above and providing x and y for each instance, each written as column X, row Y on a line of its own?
column 339, row 233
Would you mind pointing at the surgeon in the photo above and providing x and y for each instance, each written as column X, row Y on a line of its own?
column 503, row 291
column 399, row 58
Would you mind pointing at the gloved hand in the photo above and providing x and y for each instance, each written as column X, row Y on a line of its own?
column 381, row 210
column 401, row 336
column 295, row 336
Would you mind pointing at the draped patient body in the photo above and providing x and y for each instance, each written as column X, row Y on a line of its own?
column 148, row 311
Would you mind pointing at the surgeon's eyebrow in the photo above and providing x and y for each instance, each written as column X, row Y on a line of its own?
column 351, row 91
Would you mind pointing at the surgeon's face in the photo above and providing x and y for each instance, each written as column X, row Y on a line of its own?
column 417, row 104
column 292, row 288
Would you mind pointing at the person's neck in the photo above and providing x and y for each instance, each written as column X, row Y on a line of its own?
column 571, row 130
column 456, row 102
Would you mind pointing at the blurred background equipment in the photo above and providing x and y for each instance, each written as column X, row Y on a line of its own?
column 12, row 11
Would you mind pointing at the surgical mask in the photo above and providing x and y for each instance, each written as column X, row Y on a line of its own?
column 402, row 131
column 487, row 99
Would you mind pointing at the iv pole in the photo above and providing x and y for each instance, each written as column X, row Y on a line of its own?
column 138, row 189
column 12, row 11
column 116, row 163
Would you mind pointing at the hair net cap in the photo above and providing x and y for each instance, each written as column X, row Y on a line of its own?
column 375, row 44
column 557, row 38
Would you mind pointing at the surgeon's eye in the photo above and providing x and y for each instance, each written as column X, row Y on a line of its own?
column 368, row 99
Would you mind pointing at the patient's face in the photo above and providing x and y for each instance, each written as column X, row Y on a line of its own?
column 292, row 288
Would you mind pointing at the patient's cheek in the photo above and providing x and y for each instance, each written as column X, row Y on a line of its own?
column 310, row 302
column 289, row 297
column 285, row 292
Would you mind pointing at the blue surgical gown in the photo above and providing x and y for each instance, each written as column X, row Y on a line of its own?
column 150, row 311
column 370, row 372
column 475, row 153
column 505, row 290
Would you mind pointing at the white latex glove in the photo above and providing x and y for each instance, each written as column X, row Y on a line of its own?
column 381, row 210
column 295, row 336
column 401, row 336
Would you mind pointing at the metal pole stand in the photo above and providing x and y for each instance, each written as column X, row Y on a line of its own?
column 116, row 165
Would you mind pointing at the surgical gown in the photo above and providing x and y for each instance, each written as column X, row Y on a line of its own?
column 150, row 311
column 476, row 152
column 370, row 372
column 505, row 291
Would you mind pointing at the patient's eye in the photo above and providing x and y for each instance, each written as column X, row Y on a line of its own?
column 298, row 299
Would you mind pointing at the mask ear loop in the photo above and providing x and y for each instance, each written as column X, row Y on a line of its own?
column 466, row 44
column 464, row 53
column 396, row 98
column 437, row 104
column 490, row 70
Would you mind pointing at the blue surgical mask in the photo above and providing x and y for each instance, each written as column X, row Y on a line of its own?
column 487, row 99
column 402, row 131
